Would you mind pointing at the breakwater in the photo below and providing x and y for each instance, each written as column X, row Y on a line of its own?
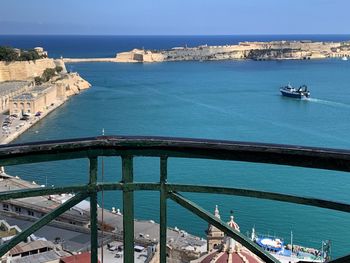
column 82, row 60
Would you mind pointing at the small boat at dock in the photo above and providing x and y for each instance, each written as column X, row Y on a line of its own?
column 298, row 93
column 344, row 58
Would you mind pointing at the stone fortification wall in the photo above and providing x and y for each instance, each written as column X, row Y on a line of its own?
column 244, row 50
column 60, row 63
column 139, row 55
column 23, row 70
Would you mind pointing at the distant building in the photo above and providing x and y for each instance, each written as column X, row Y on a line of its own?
column 37, row 99
column 214, row 235
column 10, row 89
column 36, row 207
column 41, row 51
column 34, row 249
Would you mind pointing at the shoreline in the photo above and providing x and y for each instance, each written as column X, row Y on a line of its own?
column 254, row 50
column 62, row 87
column 29, row 124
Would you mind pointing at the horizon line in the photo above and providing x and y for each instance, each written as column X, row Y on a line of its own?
column 175, row 35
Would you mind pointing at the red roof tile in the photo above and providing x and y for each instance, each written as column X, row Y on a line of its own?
column 80, row 258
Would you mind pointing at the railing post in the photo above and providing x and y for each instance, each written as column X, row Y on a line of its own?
column 163, row 208
column 128, row 210
column 93, row 210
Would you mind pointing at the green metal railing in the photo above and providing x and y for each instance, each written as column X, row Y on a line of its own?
column 129, row 147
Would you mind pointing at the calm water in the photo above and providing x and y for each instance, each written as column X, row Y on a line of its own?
column 235, row 100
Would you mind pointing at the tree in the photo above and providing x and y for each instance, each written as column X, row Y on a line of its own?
column 8, row 54
column 58, row 69
column 38, row 81
column 48, row 74
column 29, row 55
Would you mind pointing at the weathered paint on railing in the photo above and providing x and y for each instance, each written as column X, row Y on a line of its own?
column 130, row 147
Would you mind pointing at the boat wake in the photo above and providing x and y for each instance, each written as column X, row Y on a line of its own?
column 329, row 103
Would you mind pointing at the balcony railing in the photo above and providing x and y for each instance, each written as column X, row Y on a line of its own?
column 163, row 148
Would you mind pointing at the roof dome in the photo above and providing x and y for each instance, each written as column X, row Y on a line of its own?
column 233, row 224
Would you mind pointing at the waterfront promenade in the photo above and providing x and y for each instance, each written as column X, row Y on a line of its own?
column 20, row 126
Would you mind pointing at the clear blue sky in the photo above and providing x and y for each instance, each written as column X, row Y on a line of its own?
column 175, row 17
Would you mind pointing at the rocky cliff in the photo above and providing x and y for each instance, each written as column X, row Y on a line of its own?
column 70, row 84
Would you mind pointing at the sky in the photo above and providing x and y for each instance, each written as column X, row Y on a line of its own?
column 174, row 17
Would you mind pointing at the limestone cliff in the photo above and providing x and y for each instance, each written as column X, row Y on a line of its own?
column 70, row 84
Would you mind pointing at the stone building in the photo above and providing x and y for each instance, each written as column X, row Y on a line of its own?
column 224, row 249
column 40, row 51
column 37, row 99
column 214, row 235
column 10, row 89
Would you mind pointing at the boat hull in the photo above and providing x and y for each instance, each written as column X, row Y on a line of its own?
column 293, row 94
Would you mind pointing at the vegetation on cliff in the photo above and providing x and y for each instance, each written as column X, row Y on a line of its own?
column 47, row 75
column 10, row 54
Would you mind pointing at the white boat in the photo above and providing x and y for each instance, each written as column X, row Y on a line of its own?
column 291, row 253
column 344, row 58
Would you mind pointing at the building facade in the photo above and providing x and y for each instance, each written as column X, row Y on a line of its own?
column 36, row 100
column 11, row 89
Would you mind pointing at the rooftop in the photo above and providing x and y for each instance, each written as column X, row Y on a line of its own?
column 11, row 86
column 33, row 93
column 48, row 256
column 42, row 204
column 80, row 258
column 24, row 247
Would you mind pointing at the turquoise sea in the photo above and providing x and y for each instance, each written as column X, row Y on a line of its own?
column 233, row 100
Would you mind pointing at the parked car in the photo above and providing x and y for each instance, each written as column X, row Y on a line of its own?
column 24, row 118
column 113, row 248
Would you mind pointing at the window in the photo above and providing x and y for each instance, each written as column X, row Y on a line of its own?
column 5, row 207
column 30, row 213
column 18, row 209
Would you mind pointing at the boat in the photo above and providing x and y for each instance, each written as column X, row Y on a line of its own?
column 344, row 58
column 291, row 253
column 298, row 93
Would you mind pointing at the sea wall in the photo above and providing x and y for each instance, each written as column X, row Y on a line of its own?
column 23, row 70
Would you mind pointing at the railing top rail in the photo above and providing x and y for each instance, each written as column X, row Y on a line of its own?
column 313, row 157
